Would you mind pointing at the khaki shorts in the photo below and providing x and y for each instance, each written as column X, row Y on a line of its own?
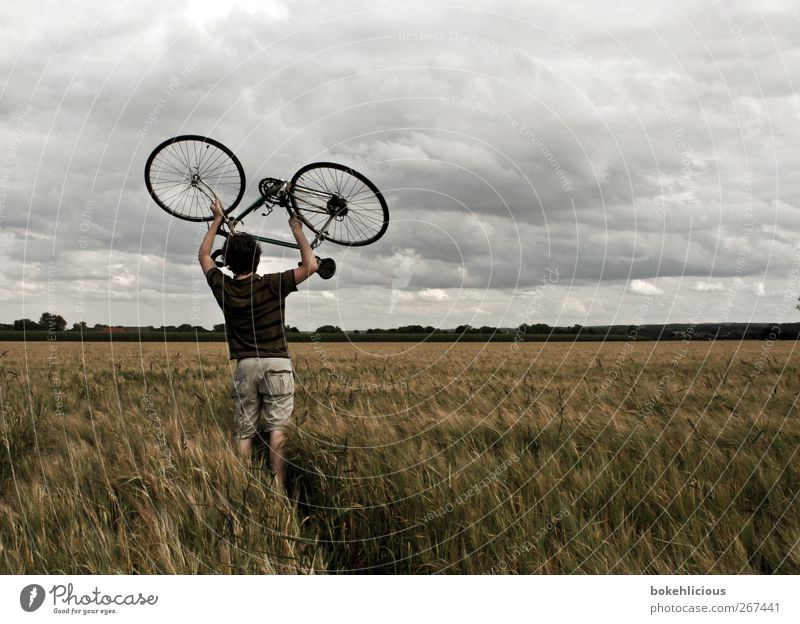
column 263, row 392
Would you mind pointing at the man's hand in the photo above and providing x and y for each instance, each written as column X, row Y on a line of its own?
column 216, row 208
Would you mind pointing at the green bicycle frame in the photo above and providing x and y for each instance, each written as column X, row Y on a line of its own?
column 261, row 202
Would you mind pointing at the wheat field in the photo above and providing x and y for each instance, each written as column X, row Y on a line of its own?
column 619, row 457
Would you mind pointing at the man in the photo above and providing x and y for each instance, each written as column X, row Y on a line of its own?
column 253, row 306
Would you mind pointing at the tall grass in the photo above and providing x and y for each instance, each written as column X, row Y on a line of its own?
column 537, row 458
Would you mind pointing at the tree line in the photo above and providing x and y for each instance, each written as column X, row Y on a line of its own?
column 49, row 322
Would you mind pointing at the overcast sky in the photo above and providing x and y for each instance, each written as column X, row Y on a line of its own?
column 559, row 162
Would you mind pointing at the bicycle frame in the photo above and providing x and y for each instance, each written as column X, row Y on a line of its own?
column 280, row 198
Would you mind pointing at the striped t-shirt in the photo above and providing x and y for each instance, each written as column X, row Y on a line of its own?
column 254, row 312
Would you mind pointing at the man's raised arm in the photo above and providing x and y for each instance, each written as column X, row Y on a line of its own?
column 308, row 261
column 204, row 254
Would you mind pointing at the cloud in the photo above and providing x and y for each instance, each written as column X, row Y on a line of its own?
column 708, row 287
column 641, row 287
column 758, row 289
column 433, row 294
column 572, row 306
column 617, row 148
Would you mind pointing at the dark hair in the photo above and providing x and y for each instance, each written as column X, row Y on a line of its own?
column 242, row 253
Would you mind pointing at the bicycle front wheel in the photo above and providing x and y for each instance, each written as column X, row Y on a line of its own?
column 339, row 204
column 180, row 170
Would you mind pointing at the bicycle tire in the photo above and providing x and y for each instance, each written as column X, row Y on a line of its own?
column 323, row 190
column 172, row 166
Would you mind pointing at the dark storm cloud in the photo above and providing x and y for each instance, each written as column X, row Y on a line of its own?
column 609, row 144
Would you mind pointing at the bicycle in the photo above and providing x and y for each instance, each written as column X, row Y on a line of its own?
column 334, row 201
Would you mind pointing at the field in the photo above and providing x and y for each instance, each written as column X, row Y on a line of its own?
column 622, row 457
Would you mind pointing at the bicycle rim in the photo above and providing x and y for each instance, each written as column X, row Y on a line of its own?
column 339, row 204
column 178, row 168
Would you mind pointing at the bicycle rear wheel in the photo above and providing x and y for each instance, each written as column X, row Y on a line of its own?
column 178, row 168
column 339, row 204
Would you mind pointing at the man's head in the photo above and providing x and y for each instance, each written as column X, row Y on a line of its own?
column 242, row 253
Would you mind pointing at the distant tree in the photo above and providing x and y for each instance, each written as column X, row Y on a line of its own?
column 329, row 329
column 411, row 329
column 79, row 326
column 539, row 328
column 219, row 327
column 291, row 330
column 26, row 324
column 52, row 322
column 463, row 328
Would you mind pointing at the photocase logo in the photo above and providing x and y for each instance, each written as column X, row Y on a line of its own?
column 31, row 597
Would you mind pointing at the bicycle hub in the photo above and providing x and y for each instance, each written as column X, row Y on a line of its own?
column 337, row 206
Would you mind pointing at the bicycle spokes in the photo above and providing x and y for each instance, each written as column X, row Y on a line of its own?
column 184, row 173
column 339, row 204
